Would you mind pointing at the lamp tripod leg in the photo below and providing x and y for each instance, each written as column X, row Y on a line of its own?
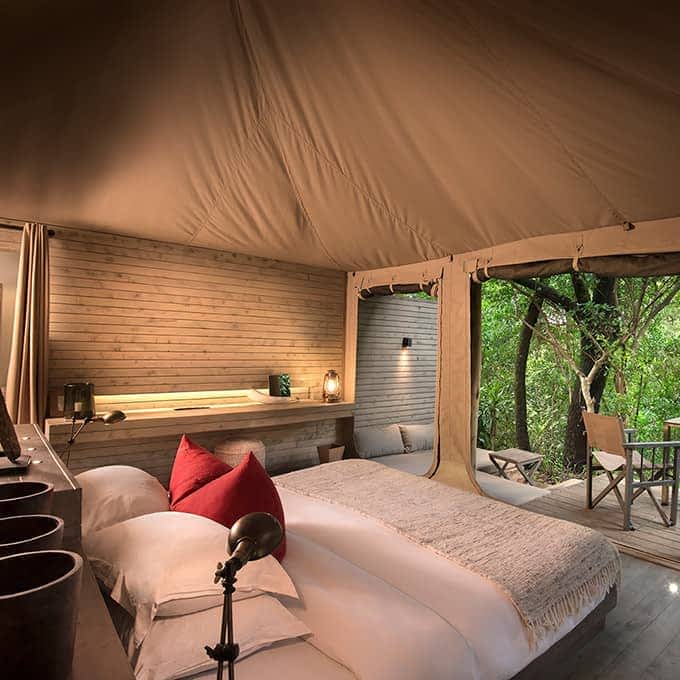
column 226, row 649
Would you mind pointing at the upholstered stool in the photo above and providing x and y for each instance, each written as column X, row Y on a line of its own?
column 231, row 451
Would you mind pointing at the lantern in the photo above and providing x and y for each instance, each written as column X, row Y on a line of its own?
column 331, row 387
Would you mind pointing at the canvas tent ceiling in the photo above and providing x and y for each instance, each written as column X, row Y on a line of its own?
column 342, row 133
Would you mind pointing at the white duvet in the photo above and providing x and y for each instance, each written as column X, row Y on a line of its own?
column 374, row 629
column 381, row 607
column 495, row 641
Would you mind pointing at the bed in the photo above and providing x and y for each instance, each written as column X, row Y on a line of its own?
column 383, row 607
column 472, row 605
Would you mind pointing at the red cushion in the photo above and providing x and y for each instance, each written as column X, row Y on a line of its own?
column 247, row 488
column 193, row 468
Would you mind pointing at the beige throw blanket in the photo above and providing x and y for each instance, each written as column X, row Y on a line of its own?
column 550, row 569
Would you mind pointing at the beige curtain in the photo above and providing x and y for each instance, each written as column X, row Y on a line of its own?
column 27, row 375
column 458, row 378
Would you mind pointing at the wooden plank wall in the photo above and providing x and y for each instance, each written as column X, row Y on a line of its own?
column 137, row 316
column 288, row 448
column 393, row 384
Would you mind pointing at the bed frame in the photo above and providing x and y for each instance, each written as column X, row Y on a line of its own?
column 553, row 659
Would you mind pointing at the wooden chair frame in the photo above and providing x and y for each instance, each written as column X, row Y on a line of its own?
column 665, row 475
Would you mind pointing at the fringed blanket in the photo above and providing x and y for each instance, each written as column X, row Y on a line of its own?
column 549, row 569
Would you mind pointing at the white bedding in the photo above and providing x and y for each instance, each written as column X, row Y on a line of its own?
column 296, row 660
column 362, row 627
column 383, row 608
column 378, row 631
column 472, row 606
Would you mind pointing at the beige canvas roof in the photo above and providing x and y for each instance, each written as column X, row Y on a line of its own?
column 343, row 133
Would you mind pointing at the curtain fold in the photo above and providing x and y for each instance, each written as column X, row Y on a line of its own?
column 27, row 374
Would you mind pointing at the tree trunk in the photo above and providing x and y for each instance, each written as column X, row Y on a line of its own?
column 526, row 333
column 604, row 294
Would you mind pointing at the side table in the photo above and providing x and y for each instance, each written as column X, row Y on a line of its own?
column 526, row 462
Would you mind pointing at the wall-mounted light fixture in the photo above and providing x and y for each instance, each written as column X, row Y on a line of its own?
column 406, row 342
column 331, row 387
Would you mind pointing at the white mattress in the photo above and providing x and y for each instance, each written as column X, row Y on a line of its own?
column 472, row 606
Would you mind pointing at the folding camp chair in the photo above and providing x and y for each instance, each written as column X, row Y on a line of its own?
column 608, row 446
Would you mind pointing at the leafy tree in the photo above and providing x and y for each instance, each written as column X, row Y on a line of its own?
column 596, row 341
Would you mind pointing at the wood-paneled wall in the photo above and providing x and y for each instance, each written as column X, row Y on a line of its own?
column 396, row 385
column 137, row 316
column 288, row 447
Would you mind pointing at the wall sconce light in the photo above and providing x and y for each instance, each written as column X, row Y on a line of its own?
column 406, row 343
column 331, row 387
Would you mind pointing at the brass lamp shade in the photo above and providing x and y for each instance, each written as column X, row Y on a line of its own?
column 262, row 530
column 112, row 417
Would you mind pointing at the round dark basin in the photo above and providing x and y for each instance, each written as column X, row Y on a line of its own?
column 30, row 532
column 25, row 498
column 39, row 595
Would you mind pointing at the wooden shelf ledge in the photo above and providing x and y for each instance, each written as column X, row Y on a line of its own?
column 162, row 422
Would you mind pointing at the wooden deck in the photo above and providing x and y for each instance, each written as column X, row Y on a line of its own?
column 641, row 640
column 650, row 541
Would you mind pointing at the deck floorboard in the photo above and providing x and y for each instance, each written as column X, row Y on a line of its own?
column 641, row 640
column 651, row 540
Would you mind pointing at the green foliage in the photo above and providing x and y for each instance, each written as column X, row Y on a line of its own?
column 643, row 385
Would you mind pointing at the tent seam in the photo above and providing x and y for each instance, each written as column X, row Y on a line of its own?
column 398, row 221
column 268, row 110
column 237, row 159
column 301, row 203
column 260, row 101
column 263, row 104
column 615, row 212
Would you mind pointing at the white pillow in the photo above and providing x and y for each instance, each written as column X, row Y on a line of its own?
column 163, row 564
column 174, row 647
column 417, row 437
column 115, row 493
column 371, row 442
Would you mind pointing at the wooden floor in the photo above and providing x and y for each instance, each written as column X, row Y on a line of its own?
column 651, row 539
column 641, row 640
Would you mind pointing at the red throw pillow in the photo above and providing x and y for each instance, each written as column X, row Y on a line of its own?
column 193, row 468
column 247, row 488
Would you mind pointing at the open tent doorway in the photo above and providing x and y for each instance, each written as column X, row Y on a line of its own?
column 598, row 335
